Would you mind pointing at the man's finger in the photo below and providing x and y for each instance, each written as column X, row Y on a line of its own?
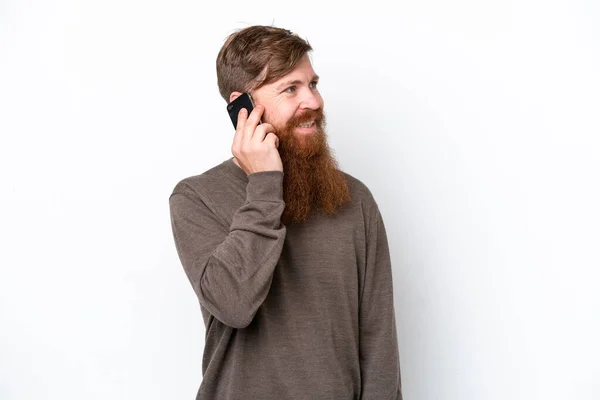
column 253, row 121
column 241, row 122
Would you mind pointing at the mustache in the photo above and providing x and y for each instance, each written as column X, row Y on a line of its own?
column 306, row 116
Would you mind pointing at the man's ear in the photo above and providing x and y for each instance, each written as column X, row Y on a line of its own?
column 234, row 95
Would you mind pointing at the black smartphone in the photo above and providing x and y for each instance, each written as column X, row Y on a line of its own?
column 242, row 101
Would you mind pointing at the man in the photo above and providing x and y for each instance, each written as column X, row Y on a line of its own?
column 287, row 254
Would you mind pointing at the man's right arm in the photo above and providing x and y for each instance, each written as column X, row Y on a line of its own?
column 231, row 269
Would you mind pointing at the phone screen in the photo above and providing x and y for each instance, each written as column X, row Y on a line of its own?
column 242, row 101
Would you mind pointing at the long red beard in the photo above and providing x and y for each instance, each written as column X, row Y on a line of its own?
column 312, row 180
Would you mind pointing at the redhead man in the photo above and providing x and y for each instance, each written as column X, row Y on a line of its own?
column 287, row 254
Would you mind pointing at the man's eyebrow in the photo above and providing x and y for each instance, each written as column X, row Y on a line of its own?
column 295, row 82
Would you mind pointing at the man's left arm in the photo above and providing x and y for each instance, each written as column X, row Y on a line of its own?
column 379, row 359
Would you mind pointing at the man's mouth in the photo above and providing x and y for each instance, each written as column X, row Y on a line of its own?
column 306, row 124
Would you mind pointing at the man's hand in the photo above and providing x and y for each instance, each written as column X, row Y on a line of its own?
column 255, row 146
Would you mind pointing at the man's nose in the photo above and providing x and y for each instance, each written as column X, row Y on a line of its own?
column 310, row 100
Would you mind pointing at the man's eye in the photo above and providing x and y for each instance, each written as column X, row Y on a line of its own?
column 313, row 84
column 291, row 89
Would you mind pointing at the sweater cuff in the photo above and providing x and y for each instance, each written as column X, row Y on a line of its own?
column 265, row 186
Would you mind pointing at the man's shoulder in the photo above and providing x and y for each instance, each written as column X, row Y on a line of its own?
column 198, row 184
column 358, row 189
column 363, row 200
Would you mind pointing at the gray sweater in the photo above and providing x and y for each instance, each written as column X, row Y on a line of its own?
column 291, row 312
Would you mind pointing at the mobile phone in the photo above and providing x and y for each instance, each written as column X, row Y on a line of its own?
column 242, row 101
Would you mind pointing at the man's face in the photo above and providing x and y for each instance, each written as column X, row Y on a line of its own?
column 294, row 107
column 293, row 103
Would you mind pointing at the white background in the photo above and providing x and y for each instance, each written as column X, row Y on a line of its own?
column 474, row 123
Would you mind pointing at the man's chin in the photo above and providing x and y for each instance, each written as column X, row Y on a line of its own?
column 302, row 144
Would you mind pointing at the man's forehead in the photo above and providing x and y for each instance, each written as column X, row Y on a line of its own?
column 304, row 76
column 299, row 75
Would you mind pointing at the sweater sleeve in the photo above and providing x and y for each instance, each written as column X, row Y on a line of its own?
column 379, row 359
column 231, row 269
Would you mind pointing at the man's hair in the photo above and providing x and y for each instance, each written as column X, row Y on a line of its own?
column 256, row 56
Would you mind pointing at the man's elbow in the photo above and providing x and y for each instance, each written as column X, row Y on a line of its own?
column 238, row 318
column 232, row 310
